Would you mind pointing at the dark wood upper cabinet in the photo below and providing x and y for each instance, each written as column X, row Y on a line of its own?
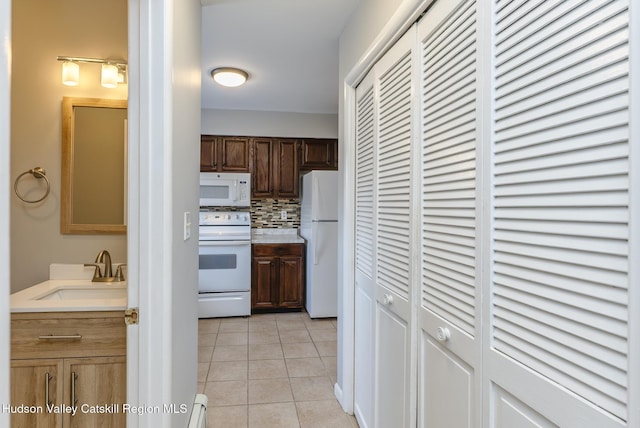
column 274, row 163
column 318, row 154
column 275, row 172
column 262, row 172
column 287, row 173
column 224, row 154
column 208, row 153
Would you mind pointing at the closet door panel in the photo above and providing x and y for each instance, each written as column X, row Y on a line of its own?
column 448, row 389
column 394, row 79
column 364, row 323
column 559, row 290
column 392, row 376
column 448, row 314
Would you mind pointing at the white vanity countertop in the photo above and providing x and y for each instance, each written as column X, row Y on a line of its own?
column 69, row 289
column 276, row 236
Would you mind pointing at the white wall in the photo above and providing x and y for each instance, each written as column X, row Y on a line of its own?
column 269, row 124
column 185, row 160
column 165, row 108
column 5, row 61
column 42, row 30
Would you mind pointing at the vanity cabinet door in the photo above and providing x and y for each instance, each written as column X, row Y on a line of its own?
column 98, row 387
column 34, row 383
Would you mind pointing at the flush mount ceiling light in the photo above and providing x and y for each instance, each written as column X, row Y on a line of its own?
column 114, row 71
column 229, row 77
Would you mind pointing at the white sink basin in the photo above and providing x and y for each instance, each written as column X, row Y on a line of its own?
column 70, row 295
column 84, row 293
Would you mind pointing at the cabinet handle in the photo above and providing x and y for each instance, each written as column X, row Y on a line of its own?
column 60, row 337
column 47, row 378
column 74, row 376
column 387, row 299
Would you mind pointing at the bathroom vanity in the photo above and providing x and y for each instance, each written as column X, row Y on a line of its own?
column 68, row 362
column 68, row 354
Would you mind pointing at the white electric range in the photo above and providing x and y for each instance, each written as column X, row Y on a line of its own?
column 224, row 276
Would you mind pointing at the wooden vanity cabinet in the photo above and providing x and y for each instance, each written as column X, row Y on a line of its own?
column 316, row 153
column 68, row 357
column 224, row 154
column 277, row 276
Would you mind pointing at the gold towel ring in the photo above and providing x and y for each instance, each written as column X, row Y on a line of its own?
column 37, row 172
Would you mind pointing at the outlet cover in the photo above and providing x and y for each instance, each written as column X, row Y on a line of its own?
column 283, row 215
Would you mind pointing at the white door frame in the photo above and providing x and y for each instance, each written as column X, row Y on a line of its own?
column 5, row 163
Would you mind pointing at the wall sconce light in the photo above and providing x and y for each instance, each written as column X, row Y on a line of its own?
column 229, row 77
column 70, row 73
column 114, row 71
column 109, row 77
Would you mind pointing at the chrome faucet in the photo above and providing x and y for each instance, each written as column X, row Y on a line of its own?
column 105, row 258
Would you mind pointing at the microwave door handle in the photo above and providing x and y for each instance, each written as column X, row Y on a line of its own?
column 235, row 190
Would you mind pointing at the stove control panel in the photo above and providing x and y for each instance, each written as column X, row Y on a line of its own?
column 209, row 218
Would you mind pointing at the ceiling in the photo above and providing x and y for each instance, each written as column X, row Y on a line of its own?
column 288, row 47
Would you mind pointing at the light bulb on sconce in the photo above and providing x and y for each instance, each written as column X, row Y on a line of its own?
column 109, row 77
column 70, row 73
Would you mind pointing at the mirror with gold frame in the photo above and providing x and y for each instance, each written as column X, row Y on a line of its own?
column 93, row 197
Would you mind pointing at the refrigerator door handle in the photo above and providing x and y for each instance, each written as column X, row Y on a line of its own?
column 314, row 238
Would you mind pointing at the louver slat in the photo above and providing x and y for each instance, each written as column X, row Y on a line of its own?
column 394, row 177
column 560, row 224
column 448, row 172
column 364, row 183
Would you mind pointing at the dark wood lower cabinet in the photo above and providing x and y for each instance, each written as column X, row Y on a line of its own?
column 277, row 276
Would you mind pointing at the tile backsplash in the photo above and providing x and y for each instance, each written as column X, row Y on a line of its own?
column 265, row 213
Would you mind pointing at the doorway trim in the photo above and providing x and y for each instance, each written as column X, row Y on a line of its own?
column 5, row 123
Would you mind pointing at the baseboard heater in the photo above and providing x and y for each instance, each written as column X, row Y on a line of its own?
column 199, row 412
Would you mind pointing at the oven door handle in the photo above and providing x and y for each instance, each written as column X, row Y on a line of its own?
column 224, row 243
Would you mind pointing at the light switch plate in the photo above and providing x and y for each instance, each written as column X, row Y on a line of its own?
column 187, row 225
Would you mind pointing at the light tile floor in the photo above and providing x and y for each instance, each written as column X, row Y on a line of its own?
column 270, row 370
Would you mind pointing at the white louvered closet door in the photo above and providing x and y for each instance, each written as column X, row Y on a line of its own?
column 364, row 381
column 394, row 238
column 449, row 337
column 558, row 298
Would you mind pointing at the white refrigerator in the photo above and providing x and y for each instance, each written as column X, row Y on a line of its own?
column 319, row 226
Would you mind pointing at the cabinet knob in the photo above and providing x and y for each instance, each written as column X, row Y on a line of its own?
column 387, row 299
column 443, row 334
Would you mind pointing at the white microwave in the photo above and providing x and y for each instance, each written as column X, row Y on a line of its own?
column 225, row 189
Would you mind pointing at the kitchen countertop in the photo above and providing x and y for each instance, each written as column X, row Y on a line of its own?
column 276, row 236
